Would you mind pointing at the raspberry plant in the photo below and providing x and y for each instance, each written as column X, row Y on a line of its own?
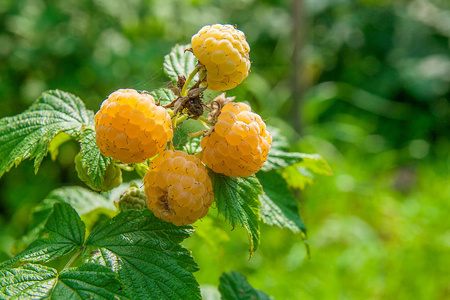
column 190, row 151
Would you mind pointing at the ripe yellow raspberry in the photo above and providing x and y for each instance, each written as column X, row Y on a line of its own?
column 239, row 143
column 224, row 52
column 178, row 188
column 130, row 127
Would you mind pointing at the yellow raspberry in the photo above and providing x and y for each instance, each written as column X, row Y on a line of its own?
column 178, row 188
column 130, row 127
column 239, row 143
column 224, row 52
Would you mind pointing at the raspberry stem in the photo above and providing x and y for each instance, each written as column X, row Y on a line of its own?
column 178, row 120
column 184, row 91
column 205, row 122
column 140, row 169
column 124, row 166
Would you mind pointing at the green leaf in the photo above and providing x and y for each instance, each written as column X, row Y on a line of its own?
column 234, row 286
column 58, row 140
column 92, row 160
column 238, row 200
column 316, row 164
column 163, row 95
column 297, row 177
column 278, row 204
column 300, row 174
column 146, row 254
column 82, row 200
column 29, row 281
column 279, row 141
column 88, row 281
column 278, row 159
column 28, row 134
column 179, row 62
column 63, row 233
column 297, row 168
column 181, row 135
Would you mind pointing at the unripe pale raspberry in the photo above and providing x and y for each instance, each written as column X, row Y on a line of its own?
column 224, row 52
column 130, row 127
column 112, row 177
column 132, row 198
column 239, row 143
column 178, row 188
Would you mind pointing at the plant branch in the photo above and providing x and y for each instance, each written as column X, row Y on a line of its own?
column 183, row 92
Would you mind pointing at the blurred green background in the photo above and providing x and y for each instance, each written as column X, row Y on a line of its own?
column 364, row 83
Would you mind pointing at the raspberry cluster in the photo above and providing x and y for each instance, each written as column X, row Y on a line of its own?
column 130, row 127
column 239, row 143
column 178, row 188
column 224, row 52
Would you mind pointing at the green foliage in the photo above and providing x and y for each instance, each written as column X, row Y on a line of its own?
column 55, row 114
column 278, row 204
column 237, row 200
column 29, row 281
column 135, row 254
column 140, row 250
column 372, row 89
column 298, row 169
column 33, row 281
column 81, row 199
column 63, row 233
column 234, row 286
column 179, row 62
column 89, row 281
column 93, row 162
column 144, row 251
column 163, row 95
column 181, row 136
column 28, row 134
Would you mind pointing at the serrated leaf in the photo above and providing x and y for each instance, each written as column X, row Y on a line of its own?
column 27, row 135
column 89, row 281
column 278, row 204
column 63, row 233
column 92, row 160
column 238, row 200
column 144, row 251
column 163, row 95
column 234, row 286
column 278, row 159
column 29, row 281
column 179, row 62
column 33, row 281
column 82, row 200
